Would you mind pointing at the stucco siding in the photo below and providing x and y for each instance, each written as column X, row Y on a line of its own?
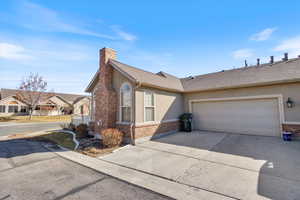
column 59, row 102
column 168, row 105
column 85, row 103
column 291, row 90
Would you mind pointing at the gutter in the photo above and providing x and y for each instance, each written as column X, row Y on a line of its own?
column 132, row 125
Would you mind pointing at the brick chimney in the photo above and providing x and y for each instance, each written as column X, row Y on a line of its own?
column 106, row 97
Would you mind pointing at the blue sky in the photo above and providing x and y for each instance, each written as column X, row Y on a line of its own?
column 60, row 39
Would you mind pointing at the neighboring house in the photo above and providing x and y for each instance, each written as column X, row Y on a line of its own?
column 257, row 100
column 54, row 104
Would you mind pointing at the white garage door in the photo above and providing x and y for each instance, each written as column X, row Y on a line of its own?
column 254, row 117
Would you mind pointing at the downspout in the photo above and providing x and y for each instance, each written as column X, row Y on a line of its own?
column 132, row 125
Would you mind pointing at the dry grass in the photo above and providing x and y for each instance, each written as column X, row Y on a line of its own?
column 62, row 139
column 25, row 119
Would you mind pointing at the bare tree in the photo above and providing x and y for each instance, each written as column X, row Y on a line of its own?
column 32, row 91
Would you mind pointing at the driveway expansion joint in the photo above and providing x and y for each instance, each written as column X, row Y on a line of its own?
column 169, row 179
column 218, row 163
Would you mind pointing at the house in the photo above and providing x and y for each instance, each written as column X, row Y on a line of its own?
column 52, row 104
column 257, row 100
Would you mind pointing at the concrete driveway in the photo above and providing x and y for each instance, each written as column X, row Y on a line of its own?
column 237, row 166
column 29, row 171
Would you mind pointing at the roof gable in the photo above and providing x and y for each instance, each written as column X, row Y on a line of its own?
column 70, row 98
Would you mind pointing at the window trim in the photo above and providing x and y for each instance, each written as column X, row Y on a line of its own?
column 5, row 110
column 17, row 110
column 154, row 105
column 23, row 107
column 120, row 103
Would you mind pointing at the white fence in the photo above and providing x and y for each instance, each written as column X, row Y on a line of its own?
column 77, row 119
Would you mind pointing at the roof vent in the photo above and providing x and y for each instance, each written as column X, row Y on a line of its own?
column 271, row 59
column 286, row 57
column 161, row 74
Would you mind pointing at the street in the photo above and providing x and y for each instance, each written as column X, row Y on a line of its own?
column 7, row 128
column 30, row 171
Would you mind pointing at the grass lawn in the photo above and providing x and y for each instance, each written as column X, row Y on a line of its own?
column 62, row 139
column 25, row 119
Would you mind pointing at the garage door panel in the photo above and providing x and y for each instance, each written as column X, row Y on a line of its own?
column 257, row 117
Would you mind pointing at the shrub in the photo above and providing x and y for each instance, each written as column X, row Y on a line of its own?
column 112, row 137
column 81, row 130
column 72, row 127
column 92, row 126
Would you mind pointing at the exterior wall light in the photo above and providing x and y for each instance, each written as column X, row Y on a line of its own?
column 289, row 103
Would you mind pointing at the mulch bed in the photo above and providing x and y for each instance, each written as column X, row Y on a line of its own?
column 93, row 147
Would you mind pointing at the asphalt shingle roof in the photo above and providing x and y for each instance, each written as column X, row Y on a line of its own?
column 278, row 72
column 71, row 98
column 160, row 79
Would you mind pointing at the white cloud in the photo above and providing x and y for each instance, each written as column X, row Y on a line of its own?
column 37, row 17
column 291, row 45
column 124, row 35
column 263, row 35
column 13, row 52
column 242, row 53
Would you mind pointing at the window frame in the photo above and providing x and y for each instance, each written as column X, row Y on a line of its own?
column 154, row 105
column 4, row 106
column 14, row 110
column 23, row 109
column 120, row 103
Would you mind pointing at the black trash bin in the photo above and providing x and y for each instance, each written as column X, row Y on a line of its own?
column 186, row 122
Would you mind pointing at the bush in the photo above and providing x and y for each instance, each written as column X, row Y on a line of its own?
column 81, row 130
column 72, row 127
column 92, row 126
column 111, row 137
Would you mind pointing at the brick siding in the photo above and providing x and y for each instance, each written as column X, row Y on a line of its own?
column 105, row 95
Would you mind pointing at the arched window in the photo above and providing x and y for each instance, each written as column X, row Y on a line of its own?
column 125, row 102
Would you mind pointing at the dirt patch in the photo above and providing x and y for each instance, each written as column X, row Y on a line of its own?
column 94, row 147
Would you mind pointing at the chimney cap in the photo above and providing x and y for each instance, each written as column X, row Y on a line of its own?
column 107, row 48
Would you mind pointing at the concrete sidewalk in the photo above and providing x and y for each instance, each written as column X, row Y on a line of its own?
column 154, row 183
